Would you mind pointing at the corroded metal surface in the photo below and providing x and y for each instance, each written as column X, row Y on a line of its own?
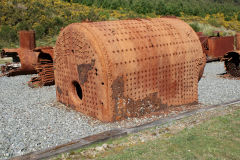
column 26, row 57
column 118, row 69
column 27, row 40
column 232, row 59
column 44, row 68
column 45, row 73
column 237, row 41
column 215, row 47
column 218, row 46
column 232, row 62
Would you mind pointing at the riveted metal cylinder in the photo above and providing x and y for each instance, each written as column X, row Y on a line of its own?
column 118, row 69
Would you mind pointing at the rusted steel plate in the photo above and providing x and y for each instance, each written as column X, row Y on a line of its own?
column 27, row 40
column 218, row 46
column 204, row 41
column 118, row 69
column 237, row 41
column 215, row 47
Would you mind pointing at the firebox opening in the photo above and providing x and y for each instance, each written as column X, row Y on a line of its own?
column 78, row 89
column 44, row 57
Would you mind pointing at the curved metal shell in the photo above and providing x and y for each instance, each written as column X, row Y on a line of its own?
column 118, row 69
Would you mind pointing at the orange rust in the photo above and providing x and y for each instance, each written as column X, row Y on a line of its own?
column 237, row 41
column 118, row 69
column 232, row 62
column 45, row 76
column 218, row 46
column 215, row 47
column 27, row 55
column 27, row 40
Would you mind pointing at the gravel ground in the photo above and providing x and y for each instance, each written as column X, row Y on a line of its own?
column 214, row 90
column 31, row 120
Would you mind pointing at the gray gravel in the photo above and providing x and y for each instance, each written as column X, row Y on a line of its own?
column 213, row 89
column 29, row 122
column 31, row 119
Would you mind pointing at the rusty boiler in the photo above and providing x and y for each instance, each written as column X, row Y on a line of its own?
column 118, row 69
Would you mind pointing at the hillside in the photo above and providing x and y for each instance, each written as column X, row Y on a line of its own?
column 47, row 17
column 169, row 7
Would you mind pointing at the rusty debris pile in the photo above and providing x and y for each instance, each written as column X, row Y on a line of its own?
column 9, row 69
column 226, row 49
column 45, row 73
column 27, row 59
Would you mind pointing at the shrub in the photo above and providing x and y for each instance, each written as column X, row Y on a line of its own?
column 22, row 26
column 92, row 15
column 214, row 22
column 8, row 34
column 143, row 6
column 39, row 30
column 195, row 26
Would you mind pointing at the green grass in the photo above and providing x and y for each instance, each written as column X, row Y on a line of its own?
column 218, row 138
column 208, row 29
column 47, row 41
column 215, row 138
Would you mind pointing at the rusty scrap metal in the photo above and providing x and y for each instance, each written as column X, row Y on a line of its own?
column 237, row 41
column 215, row 47
column 27, row 57
column 231, row 62
column 232, row 59
column 45, row 76
column 222, row 48
column 129, row 68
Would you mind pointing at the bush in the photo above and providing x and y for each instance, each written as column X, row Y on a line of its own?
column 214, row 22
column 195, row 26
column 39, row 30
column 143, row 6
column 22, row 26
column 173, row 7
column 8, row 34
column 92, row 15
